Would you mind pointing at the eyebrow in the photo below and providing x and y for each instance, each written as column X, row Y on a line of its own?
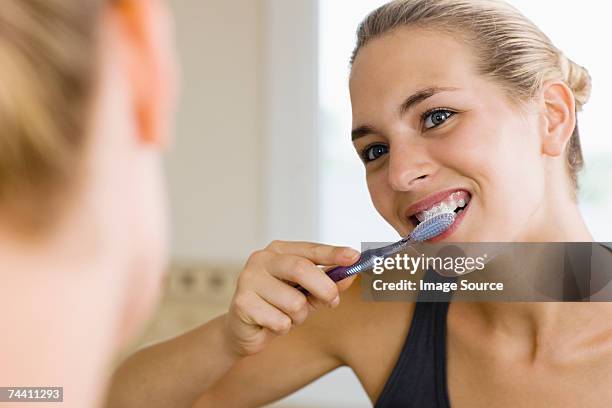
column 362, row 131
column 410, row 102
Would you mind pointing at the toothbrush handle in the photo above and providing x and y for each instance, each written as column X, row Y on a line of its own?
column 336, row 274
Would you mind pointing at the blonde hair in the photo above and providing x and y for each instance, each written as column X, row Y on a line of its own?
column 46, row 64
column 511, row 50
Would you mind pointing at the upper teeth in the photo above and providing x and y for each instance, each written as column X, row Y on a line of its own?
column 453, row 202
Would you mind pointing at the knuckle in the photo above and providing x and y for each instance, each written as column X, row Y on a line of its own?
column 315, row 250
column 299, row 319
column 324, row 252
column 328, row 294
column 241, row 302
column 282, row 325
column 257, row 257
column 301, row 266
column 244, row 279
column 274, row 245
column 297, row 304
column 338, row 252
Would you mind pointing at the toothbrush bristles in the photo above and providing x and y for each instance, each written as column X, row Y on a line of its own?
column 433, row 226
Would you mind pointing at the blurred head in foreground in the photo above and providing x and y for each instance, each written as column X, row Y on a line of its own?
column 86, row 99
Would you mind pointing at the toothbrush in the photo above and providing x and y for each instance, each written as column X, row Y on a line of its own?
column 427, row 229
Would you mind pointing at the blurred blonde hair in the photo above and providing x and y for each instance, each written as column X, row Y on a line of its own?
column 46, row 61
column 511, row 50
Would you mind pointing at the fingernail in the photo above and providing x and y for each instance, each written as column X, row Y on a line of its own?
column 335, row 302
column 350, row 253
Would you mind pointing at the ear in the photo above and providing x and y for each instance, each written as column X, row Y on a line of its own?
column 559, row 114
column 143, row 28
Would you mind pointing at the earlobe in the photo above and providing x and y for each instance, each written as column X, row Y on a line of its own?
column 559, row 117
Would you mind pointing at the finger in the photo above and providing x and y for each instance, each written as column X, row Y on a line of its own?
column 303, row 272
column 344, row 284
column 320, row 254
column 315, row 304
column 255, row 310
column 284, row 297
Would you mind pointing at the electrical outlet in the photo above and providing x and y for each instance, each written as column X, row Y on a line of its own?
column 201, row 283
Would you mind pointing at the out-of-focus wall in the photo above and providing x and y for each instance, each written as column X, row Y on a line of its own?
column 215, row 167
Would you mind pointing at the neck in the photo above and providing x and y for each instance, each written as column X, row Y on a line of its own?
column 60, row 303
column 558, row 217
column 560, row 221
column 552, row 326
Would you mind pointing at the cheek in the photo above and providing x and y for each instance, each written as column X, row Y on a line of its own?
column 380, row 193
column 149, row 253
column 153, row 225
column 502, row 159
column 150, row 250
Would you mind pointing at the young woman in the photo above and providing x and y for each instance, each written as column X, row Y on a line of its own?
column 447, row 95
column 86, row 95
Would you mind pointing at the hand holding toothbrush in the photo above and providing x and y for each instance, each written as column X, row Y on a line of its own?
column 267, row 304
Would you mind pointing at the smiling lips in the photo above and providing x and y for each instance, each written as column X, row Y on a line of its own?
column 444, row 201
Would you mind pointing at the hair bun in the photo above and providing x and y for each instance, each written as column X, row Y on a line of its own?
column 578, row 79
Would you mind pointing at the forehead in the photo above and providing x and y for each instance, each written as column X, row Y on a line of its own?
column 395, row 64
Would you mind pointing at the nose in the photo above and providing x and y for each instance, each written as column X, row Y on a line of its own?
column 409, row 167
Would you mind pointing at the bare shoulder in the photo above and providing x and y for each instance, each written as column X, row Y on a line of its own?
column 368, row 321
column 367, row 336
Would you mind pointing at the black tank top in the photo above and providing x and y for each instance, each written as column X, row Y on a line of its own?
column 419, row 377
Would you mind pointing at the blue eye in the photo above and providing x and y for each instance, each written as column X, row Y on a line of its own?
column 436, row 117
column 373, row 152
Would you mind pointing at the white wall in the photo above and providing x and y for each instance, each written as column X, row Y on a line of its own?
column 215, row 168
column 243, row 170
column 291, row 131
